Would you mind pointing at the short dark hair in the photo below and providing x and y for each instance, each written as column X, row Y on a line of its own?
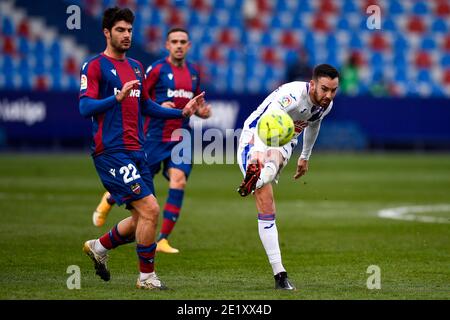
column 325, row 70
column 176, row 29
column 113, row 15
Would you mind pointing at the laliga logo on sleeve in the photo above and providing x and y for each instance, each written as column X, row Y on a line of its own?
column 83, row 82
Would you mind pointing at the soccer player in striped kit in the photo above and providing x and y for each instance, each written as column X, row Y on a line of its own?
column 112, row 93
column 171, row 82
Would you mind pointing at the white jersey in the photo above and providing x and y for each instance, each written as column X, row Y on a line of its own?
column 293, row 97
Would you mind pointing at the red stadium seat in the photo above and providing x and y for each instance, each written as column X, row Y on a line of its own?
column 288, row 39
column 213, row 54
column 328, row 6
column 255, row 23
column 378, row 42
column 9, row 47
column 442, row 8
column 416, row 24
column 446, row 43
column 200, row 5
column 175, row 18
column 71, row 66
column 226, row 37
column 41, row 83
column 162, row 3
column 423, row 60
column 153, row 34
column 263, row 6
column 320, row 24
column 269, row 56
column 446, row 77
column 23, row 29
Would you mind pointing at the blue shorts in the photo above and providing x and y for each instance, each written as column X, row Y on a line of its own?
column 125, row 175
column 161, row 153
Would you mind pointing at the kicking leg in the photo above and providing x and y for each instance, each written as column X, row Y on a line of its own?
column 268, row 234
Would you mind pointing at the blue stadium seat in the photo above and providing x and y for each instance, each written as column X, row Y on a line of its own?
column 389, row 24
column 436, row 90
column 428, row 43
column 439, row 25
column 355, row 41
column 39, row 68
column 276, row 22
column 420, row 8
column 24, row 67
column 445, row 60
column 424, row 76
column 268, row 39
column 23, row 46
column 8, row 68
column 349, row 7
column 331, row 42
column 377, row 61
column 304, row 6
column 156, row 18
column 297, row 23
column 8, row 26
column 343, row 24
column 55, row 51
column 395, row 7
column 400, row 74
column 400, row 43
column 213, row 21
column 39, row 49
column 399, row 59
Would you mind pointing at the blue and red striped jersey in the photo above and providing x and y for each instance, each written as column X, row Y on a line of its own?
column 167, row 82
column 119, row 128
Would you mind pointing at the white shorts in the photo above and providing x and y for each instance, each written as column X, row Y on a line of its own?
column 246, row 149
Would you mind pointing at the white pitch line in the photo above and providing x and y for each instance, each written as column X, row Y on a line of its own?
column 410, row 213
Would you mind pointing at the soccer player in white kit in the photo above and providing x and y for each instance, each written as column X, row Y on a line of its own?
column 307, row 103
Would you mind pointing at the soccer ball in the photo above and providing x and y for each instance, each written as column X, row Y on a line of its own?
column 275, row 128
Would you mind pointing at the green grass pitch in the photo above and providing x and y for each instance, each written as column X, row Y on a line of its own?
column 328, row 226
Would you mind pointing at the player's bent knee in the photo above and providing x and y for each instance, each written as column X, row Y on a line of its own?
column 147, row 207
column 178, row 182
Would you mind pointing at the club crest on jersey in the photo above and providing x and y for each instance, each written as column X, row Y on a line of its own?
column 286, row 101
column 83, row 82
column 137, row 71
column 136, row 188
column 170, row 76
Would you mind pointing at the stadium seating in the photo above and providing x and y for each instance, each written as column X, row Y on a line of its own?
column 413, row 42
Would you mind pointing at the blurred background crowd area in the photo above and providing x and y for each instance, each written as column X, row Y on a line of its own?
column 241, row 46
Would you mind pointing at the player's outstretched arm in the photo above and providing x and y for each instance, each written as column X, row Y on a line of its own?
column 89, row 106
column 194, row 104
column 302, row 168
column 152, row 109
column 204, row 112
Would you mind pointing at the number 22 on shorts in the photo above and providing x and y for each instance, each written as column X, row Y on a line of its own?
column 126, row 170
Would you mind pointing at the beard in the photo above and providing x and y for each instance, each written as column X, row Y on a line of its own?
column 120, row 46
column 324, row 102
